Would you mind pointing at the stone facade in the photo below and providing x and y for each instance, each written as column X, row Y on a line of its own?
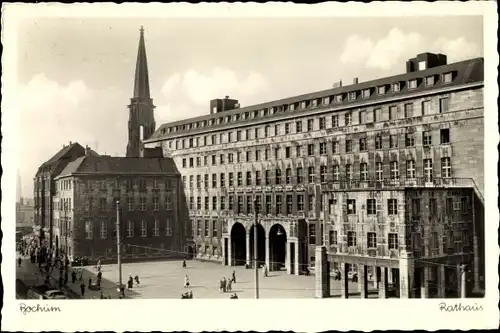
column 152, row 215
column 300, row 155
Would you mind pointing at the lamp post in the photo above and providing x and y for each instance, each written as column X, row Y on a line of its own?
column 118, row 244
column 255, row 251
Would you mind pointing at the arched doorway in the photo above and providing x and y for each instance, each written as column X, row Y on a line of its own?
column 277, row 247
column 261, row 245
column 190, row 252
column 238, row 245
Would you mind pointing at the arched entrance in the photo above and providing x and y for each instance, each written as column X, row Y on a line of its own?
column 238, row 245
column 261, row 245
column 277, row 247
column 190, row 252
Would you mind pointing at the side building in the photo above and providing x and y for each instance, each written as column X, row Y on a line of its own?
column 44, row 190
column 151, row 207
column 354, row 168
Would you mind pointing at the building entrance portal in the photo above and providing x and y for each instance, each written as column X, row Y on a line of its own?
column 238, row 245
column 261, row 245
column 277, row 247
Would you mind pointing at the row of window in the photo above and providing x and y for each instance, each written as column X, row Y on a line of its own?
column 104, row 204
column 298, row 176
column 130, row 184
column 323, row 148
column 155, row 228
column 321, row 123
column 452, row 238
column 314, row 103
column 273, row 204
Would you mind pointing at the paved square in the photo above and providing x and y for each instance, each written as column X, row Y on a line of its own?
column 165, row 279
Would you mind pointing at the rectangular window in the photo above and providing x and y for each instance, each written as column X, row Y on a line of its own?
column 332, row 237
column 362, row 144
column 412, row 84
column 348, row 171
column 428, row 170
column 104, row 230
column 168, row 201
column 300, row 202
column 206, row 182
column 394, row 170
column 206, row 203
column 351, row 238
column 278, row 176
column 409, row 140
column 249, row 178
column 393, row 113
column 268, row 177
column 312, row 234
column 362, row 116
column 372, row 240
column 447, row 77
column 427, row 138
column 371, row 206
column 409, row 110
column 214, row 203
column 198, row 203
column 336, row 173
column 130, row 229
column 432, row 206
column 144, row 229
column 130, row 204
column 156, row 228
column 198, row 181
column 322, row 123
column 426, row 107
column 322, row 148
column 335, row 147
column 311, row 175
column 310, row 149
column 257, row 178
column 351, row 95
column 445, row 136
column 287, row 152
column 298, row 126
column 288, row 176
column 214, row 228
column 231, row 203
column 351, row 206
column 207, row 228
column 156, row 203
column 377, row 114
column 378, row 141
column 348, row 146
column 335, row 121
column 268, row 204
column 300, row 175
column 322, row 173
column 289, row 204
column 429, row 81
column 446, row 167
column 278, row 204
column 287, row 128
column 348, row 119
column 410, row 169
column 363, row 171
column 222, row 177
column 443, row 105
column 415, row 208
column 392, row 206
column 393, row 241
column 310, row 125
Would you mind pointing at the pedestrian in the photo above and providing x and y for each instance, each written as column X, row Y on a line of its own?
column 219, row 285
column 184, row 263
column 99, row 278
column 234, row 277
column 265, row 271
column 19, row 261
column 90, row 282
column 228, row 287
column 186, row 281
column 130, row 281
column 224, row 283
column 136, row 278
column 73, row 277
column 82, row 289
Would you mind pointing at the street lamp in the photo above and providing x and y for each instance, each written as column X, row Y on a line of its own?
column 255, row 243
column 118, row 249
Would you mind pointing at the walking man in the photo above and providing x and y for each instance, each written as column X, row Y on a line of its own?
column 234, row 277
column 186, row 281
column 82, row 289
column 73, row 276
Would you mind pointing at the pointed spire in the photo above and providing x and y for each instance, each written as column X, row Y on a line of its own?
column 141, row 83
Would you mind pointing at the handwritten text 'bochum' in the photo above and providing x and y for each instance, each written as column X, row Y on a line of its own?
column 25, row 309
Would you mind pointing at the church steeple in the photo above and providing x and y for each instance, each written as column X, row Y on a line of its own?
column 141, row 83
column 141, row 123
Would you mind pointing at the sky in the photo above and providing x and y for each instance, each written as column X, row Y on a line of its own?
column 76, row 75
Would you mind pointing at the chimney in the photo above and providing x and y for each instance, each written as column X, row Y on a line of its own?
column 355, row 80
column 337, row 84
column 70, row 143
column 87, row 150
column 227, row 97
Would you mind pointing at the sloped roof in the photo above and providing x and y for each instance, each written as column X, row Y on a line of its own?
column 468, row 71
column 60, row 154
column 120, row 166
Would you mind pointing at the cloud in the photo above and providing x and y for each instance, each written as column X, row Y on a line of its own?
column 52, row 114
column 399, row 46
column 188, row 94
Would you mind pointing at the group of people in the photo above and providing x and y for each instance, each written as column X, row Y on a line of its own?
column 225, row 285
column 131, row 280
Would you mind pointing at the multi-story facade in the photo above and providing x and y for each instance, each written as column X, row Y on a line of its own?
column 150, row 203
column 305, row 159
column 44, row 190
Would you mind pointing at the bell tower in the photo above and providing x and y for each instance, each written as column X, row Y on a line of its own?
column 141, row 123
